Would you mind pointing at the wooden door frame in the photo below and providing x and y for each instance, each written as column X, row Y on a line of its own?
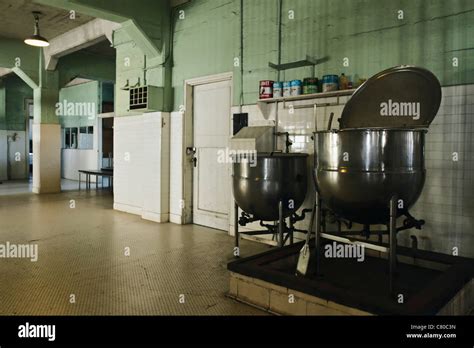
column 188, row 136
column 98, row 135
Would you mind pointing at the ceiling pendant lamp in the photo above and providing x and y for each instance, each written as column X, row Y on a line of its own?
column 36, row 39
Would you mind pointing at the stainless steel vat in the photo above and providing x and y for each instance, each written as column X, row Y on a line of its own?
column 357, row 171
column 274, row 177
column 379, row 151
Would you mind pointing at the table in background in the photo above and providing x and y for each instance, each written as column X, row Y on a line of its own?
column 105, row 172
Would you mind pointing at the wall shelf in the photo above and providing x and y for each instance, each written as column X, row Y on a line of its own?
column 309, row 96
column 309, row 61
column 264, row 104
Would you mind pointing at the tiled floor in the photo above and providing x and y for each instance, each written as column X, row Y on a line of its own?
column 82, row 253
column 14, row 187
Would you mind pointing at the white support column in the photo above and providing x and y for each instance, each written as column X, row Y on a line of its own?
column 46, row 158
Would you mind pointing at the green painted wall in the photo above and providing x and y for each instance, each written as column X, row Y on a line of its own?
column 107, row 92
column 16, row 93
column 13, row 92
column 130, row 65
column 11, row 50
column 367, row 32
column 142, row 43
column 83, row 93
column 78, row 64
column 2, row 105
column 86, row 65
column 45, row 96
column 135, row 66
column 206, row 41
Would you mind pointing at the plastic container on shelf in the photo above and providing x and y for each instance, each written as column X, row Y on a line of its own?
column 266, row 89
column 330, row 83
column 343, row 82
column 296, row 88
column 310, row 85
column 286, row 89
column 277, row 89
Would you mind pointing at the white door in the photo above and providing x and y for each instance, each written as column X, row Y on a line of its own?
column 211, row 123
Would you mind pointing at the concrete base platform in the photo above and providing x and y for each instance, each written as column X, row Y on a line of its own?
column 426, row 284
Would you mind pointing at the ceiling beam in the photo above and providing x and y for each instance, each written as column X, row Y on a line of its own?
column 5, row 71
column 100, row 10
column 77, row 39
column 24, row 76
column 88, row 9
column 136, row 33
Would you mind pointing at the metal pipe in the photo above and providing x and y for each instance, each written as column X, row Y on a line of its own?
column 280, row 224
column 295, row 217
column 236, row 227
column 279, row 14
column 275, row 134
column 330, row 121
column 256, row 233
column 315, row 116
column 299, row 230
column 393, row 241
column 241, row 55
column 317, row 231
column 307, row 106
column 280, row 20
column 291, row 232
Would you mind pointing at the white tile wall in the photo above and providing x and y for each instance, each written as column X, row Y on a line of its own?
column 129, row 163
column 447, row 201
column 18, row 169
column 155, row 175
column 73, row 160
column 141, row 172
column 176, row 165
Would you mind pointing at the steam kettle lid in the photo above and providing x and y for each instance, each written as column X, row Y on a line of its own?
column 399, row 97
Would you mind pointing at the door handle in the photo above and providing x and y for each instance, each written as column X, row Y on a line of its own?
column 190, row 151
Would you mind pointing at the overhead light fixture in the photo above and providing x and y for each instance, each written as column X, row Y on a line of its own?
column 36, row 39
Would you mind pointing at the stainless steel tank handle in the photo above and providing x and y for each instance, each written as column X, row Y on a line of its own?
column 331, row 116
